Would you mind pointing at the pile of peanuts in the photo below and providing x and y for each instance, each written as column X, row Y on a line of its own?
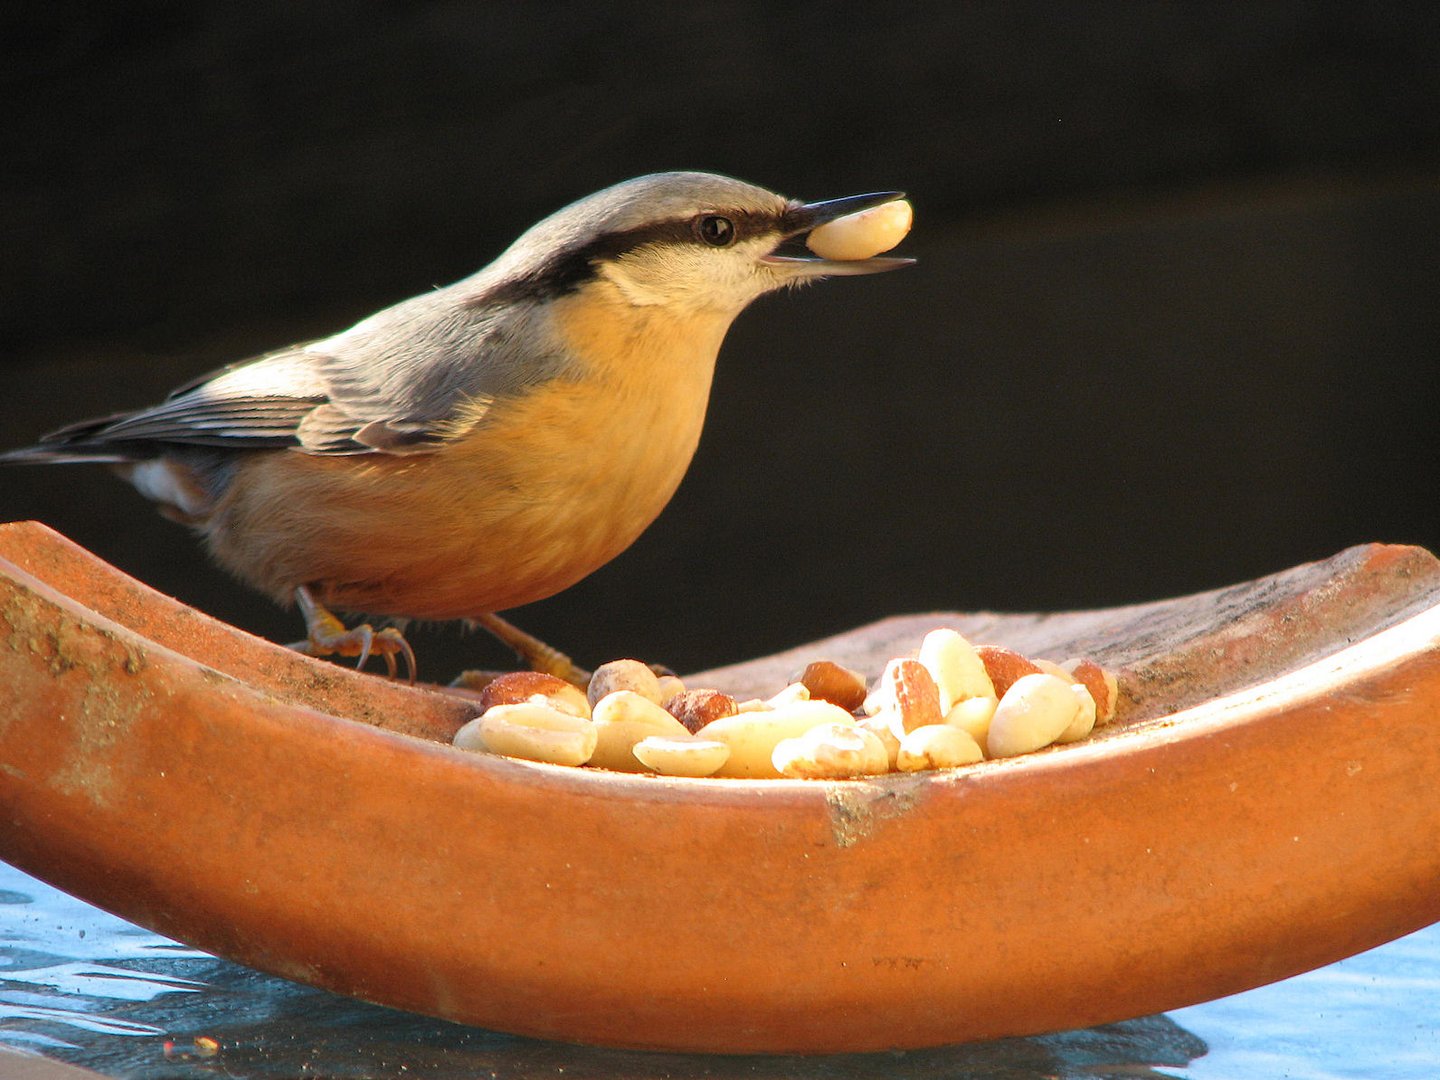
column 953, row 704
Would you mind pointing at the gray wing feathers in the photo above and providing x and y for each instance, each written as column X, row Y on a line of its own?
column 257, row 405
column 384, row 372
column 390, row 384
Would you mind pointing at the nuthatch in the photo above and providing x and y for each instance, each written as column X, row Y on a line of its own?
column 483, row 445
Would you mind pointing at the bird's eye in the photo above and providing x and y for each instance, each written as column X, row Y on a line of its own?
column 715, row 230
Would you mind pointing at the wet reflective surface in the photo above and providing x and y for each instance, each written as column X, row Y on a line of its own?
column 80, row 986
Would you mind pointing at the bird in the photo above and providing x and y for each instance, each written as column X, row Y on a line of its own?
column 482, row 445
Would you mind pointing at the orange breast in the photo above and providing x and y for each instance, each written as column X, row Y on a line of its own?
column 539, row 492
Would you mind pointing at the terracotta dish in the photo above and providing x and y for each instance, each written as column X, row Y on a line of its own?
column 1265, row 803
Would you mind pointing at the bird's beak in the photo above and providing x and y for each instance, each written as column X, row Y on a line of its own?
column 802, row 218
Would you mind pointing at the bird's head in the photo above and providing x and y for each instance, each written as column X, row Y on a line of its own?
column 687, row 241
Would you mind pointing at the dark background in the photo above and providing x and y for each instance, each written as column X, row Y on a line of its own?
column 1174, row 324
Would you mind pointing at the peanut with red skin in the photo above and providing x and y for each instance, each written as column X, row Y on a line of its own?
column 1099, row 682
column 513, row 687
column 829, row 681
column 696, row 708
column 1004, row 666
column 915, row 696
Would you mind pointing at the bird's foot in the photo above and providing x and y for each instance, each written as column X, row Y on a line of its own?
column 535, row 653
column 328, row 636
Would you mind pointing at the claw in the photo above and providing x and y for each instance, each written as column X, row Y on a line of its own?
column 367, row 639
column 397, row 645
column 327, row 636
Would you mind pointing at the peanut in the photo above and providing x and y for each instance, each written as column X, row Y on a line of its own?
column 973, row 716
column 879, row 726
column 1102, row 684
column 532, row 730
column 1032, row 714
column 753, row 736
column 913, row 700
column 831, row 751
column 673, row 756
column 696, row 708
column 1084, row 721
column 623, row 675
column 862, row 235
column 1004, row 666
column 956, row 668
column 937, row 746
column 516, row 686
column 830, row 682
column 622, row 719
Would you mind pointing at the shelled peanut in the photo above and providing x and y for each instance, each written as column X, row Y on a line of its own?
column 950, row 705
column 862, row 235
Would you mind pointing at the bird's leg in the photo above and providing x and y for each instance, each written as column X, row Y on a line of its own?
column 325, row 635
column 536, row 654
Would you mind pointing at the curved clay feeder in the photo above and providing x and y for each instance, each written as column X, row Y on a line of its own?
column 1265, row 804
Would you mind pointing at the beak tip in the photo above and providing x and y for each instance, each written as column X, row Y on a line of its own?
column 812, row 215
column 878, row 264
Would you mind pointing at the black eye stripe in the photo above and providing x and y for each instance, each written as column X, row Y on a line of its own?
column 567, row 270
column 746, row 223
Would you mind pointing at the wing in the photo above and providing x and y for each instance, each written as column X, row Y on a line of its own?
column 400, row 382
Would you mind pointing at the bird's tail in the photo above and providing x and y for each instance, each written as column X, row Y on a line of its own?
column 61, row 455
column 72, row 445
